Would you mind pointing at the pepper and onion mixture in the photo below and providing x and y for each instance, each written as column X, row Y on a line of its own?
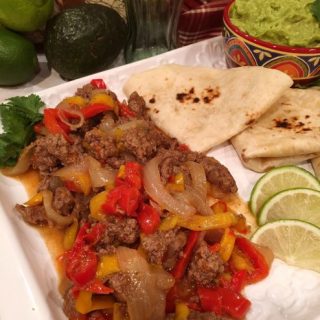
column 147, row 233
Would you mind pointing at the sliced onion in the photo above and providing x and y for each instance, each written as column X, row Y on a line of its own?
column 71, row 171
column 156, row 190
column 107, row 124
column 194, row 198
column 63, row 109
column 22, row 164
column 131, row 125
column 198, row 176
column 148, row 286
column 100, row 176
column 52, row 214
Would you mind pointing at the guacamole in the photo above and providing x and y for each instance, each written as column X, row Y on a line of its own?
column 286, row 22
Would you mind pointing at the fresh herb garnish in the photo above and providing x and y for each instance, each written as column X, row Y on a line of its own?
column 315, row 9
column 18, row 115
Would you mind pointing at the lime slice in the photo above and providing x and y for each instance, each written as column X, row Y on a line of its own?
column 280, row 179
column 293, row 241
column 302, row 204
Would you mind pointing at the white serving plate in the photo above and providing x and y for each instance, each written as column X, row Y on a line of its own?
column 28, row 280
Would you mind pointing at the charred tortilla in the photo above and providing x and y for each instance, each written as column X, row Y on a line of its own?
column 203, row 107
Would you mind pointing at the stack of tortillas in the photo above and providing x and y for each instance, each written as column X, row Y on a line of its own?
column 268, row 123
column 203, row 107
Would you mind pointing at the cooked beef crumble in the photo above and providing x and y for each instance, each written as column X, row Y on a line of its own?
column 114, row 139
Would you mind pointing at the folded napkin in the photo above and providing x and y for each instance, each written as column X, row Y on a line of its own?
column 200, row 20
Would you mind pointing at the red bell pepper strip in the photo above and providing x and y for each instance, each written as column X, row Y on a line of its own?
column 94, row 109
column 133, row 174
column 223, row 301
column 96, row 286
column 148, row 219
column 183, row 148
column 236, row 283
column 181, row 266
column 98, row 83
column 125, row 111
column 81, row 265
column 52, row 124
column 257, row 260
column 81, row 261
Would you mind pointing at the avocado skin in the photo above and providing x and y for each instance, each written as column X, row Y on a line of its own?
column 84, row 40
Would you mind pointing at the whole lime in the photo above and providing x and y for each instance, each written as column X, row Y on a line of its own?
column 18, row 59
column 25, row 15
column 84, row 40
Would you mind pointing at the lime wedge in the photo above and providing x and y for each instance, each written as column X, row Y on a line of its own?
column 279, row 179
column 293, row 241
column 301, row 204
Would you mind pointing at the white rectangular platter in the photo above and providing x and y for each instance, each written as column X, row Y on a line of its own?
column 28, row 280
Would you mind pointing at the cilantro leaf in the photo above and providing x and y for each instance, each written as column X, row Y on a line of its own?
column 18, row 115
column 315, row 9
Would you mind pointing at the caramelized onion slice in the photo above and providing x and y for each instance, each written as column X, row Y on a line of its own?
column 148, row 285
column 22, row 164
column 51, row 213
column 198, row 176
column 100, row 176
column 63, row 109
column 156, row 190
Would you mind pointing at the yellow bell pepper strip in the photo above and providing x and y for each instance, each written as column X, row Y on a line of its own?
column 70, row 235
column 241, row 226
column 227, row 244
column 169, row 223
column 176, row 183
column 202, row 223
column 220, row 207
column 78, row 182
column 107, row 265
column 76, row 100
column 102, row 98
column 98, row 83
column 117, row 314
column 182, row 312
column 95, row 205
column 35, row 200
column 238, row 261
column 87, row 302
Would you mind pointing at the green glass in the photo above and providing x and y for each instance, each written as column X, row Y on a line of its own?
column 152, row 27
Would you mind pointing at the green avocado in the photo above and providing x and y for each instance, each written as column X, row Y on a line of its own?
column 83, row 40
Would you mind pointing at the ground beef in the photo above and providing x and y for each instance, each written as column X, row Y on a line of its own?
column 216, row 173
column 205, row 266
column 138, row 105
column 155, row 245
column 144, row 141
column 35, row 215
column 69, row 306
column 85, row 91
column 174, row 250
column 196, row 315
column 63, row 201
column 119, row 231
column 53, row 150
column 100, row 145
column 81, row 206
column 50, row 183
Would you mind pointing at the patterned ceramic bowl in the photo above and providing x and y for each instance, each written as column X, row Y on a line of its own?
column 241, row 49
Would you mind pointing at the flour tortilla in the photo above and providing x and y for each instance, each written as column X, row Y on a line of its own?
column 203, row 107
column 288, row 133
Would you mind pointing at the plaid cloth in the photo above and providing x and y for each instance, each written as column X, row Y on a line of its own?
column 199, row 20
